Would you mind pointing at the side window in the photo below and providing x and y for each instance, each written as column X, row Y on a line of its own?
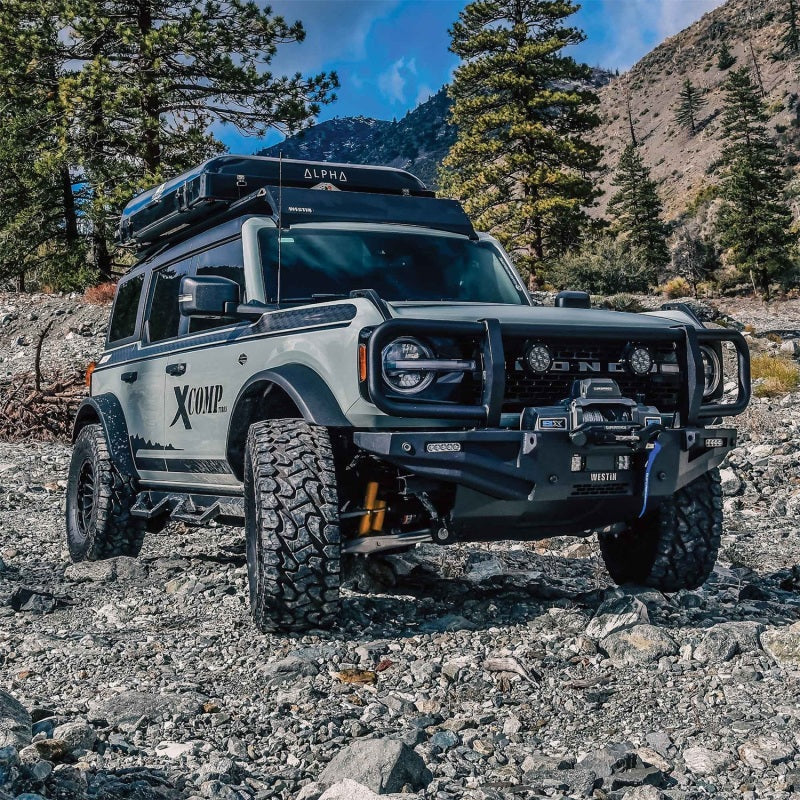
column 123, row 318
column 226, row 261
column 165, row 316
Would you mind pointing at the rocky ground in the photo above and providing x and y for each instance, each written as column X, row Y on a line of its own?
column 474, row 671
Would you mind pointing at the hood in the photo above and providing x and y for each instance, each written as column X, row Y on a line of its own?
column 542, row 315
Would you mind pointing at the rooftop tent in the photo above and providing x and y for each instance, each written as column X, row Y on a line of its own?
column 193, row 197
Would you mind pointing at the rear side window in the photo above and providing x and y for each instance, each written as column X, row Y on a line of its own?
column 123, row 318
column 225, row 261
column 165, row 315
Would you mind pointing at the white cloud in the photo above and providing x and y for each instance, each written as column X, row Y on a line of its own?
column 336, row 30
column 392, row 82
column 424, row 92
column 640, row 25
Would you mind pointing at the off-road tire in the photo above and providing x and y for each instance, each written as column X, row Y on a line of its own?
column 99, row 500
column 291, row 526
column 673, row 547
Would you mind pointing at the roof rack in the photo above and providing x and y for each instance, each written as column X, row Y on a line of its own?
column 166, row 211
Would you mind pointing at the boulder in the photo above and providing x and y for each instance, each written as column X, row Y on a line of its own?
column 617, row 614
column 704, row 761
column 638, row 645
column 764, row 751
column 15, row 722
column 722, row 642
column 382, row 765
column 783, row 644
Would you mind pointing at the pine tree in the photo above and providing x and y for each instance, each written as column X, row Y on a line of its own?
column 725, row 59
column 154, row 75
column 691, row 102
column 637, row 213
column 521, row 163
column 754, row 225
column 790, row 41
column 39, row 235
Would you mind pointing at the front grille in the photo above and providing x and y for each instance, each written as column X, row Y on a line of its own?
column 595, row 489
column 525, row 388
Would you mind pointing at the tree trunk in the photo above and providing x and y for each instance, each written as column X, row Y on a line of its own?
column 102, row 258
column 21, row 282
column 151, row 120
column 70, row 216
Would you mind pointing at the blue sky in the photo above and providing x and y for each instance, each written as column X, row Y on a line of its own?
column 392, row 54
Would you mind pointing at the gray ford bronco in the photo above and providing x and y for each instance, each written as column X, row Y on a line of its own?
column 332, row 356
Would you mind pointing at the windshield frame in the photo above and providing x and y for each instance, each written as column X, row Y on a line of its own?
column 253, row 249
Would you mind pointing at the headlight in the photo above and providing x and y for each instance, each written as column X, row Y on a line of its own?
column 398, row 366
column 639, row 360
column 539, row 358
column 712, row 370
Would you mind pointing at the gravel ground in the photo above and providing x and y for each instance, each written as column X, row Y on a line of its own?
column 473, row 671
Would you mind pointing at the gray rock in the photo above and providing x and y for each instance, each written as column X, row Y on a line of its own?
column 783, row 644
column 644, row 793
column 449, row 622
column 78, row 735
column 731, row 483
column 15, row 722
column 617, row 614
column 382, row 765
column 126, row 709
column 348, row 790
column 101, row 571
column 704, row 761
column 444, row 740
column 612, row 758
column 764, row 751
column 791, row 347
column 724, row 641
column 288, row 669
column 639, row 645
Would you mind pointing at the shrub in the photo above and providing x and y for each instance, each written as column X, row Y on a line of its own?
column 602, row 266
column 623, row 302
column 778, row 375
column 677, row 287
column 100, row 295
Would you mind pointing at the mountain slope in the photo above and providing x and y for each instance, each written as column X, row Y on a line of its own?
column 418, row 142
column 685, row 166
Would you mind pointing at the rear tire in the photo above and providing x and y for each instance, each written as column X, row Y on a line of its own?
column 291, row 526
column 99, row 500
column 673, row 547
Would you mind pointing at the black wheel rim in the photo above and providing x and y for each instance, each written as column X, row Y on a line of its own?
column 85, row 496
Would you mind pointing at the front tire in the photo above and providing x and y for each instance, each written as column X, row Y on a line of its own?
column 291, row 526
column 99, row 501
column 673, row 547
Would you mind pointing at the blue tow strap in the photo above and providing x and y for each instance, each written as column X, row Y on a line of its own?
column 648, row 469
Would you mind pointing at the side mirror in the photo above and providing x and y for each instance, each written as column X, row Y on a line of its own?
column 211, row 296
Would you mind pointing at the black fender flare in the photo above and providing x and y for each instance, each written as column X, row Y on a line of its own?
column 303, row 386
column 307, row 389
column 106, row 410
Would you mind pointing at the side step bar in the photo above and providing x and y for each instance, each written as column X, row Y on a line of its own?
column 191, row 509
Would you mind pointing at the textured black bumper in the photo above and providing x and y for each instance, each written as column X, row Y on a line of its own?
column 534, row 467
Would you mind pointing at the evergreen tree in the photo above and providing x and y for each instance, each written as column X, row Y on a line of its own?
column 754, row 225
column 692, row 258
column 790, row 41
column 521, row 163
column 39, row 235
column 637, row 213
column 691, row 102
column 725, row 59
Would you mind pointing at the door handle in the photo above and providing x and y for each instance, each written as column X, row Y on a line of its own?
column 176, row 369
column 129, row 377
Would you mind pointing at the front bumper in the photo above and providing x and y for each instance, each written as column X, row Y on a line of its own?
column 529, row 479
column 539, row 467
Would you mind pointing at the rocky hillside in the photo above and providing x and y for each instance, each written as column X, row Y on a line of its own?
column 686, row 166
column 417, row 142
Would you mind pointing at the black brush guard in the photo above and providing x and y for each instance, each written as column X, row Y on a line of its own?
column 489, row 333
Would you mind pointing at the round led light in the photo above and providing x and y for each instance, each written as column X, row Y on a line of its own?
column 539, row 358
column 639, row 360
column 712, row 370
column 398, row 372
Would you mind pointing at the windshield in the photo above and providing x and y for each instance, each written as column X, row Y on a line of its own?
column 326, row 263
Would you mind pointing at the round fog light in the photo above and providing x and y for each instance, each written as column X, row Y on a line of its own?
column 640, row 361
column 539, row 358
